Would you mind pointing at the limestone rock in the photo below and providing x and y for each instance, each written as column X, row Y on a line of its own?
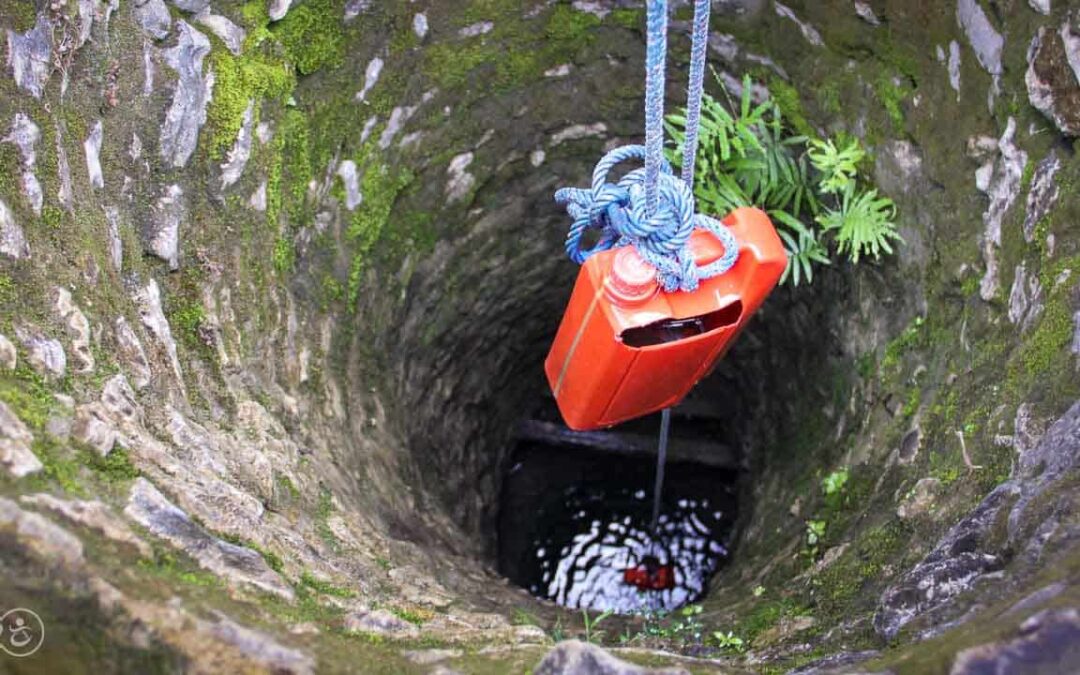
column 78, row 328
column 371, row 78
column 131, row 354
column 1053, row 83
column 64, row 191
column 228, row 32
column 810, row 33
column 25, row 134
column 921, row 499
column 94, row 515
column 351, row 182
column 236, row 564
column 119, row 400
column 1040, row 6
column 278, row 8
column 1002, row 186
column 92, row 148
column 93, row 427
column 29, row 56
column 1025, row 299
column 866, row 13
column 574, row 657
column 984, row 39
column 380, row 622
column 44, row 539
column 148, row 300
column 1043, row 193
column 187, row 113
column 261, row 648
column 966, row 552
column 113, row 244
column 353, row 8
column 238, row 156
column 461, row 182
column 420, row 25
column 12, row 239
column 1048, row 642
column 193, row 6
column 154, row 18
column 15, row 440
column 161, row 235
column 9, row 358
column 45, row 354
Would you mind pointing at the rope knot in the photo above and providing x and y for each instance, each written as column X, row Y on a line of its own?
column 620, row 212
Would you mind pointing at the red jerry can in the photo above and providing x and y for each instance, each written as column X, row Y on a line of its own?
column 626, row 348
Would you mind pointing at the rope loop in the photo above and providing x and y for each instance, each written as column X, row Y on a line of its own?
column 619, row 211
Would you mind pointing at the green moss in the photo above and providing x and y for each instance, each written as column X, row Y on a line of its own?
column 323, row 511
column 179, row 572
column 847, row 581
column 116, row 467
column 1050, row 339
column 59, row 465
column 413, row 616
column 566, row 24
column 289, row 487
column 787, row 99
column 255, row 76
column 380, row 187
column 22, row 14
column 283, row 255
column 186, row 319
column 325, row 587
column 891, row 94
column 312, row 35
column 904, row 342
column 28, row 395
column 633, row 19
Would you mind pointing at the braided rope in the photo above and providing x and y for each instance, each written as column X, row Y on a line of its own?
column 649, row 207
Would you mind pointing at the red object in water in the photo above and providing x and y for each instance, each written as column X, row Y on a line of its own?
column 625, row 348
column 650, row 575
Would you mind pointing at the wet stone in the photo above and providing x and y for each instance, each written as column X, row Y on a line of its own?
column 1043, row 193
column 379, row 622
column 1052, row 83
column 41, row 537
column 45, row 354
column 161, row 234
column 94, row 515
column 9, row 358
column 12, row 238
column 25, row 135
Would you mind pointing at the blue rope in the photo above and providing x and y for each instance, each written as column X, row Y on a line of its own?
column 655, row 60
column 695, row 88
column 649, row 207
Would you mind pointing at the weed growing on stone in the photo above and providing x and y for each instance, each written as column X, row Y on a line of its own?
column 813, row 189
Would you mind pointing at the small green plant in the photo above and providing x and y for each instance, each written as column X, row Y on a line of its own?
column 728, row 642
column 591, row 634
column 558, row 631
column 815, row 533
column 809, row 187
column 834, row 482
column 759, row 591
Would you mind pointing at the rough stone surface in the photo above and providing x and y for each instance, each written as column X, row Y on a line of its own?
column 228, row 32
column 1025, row 299
column 78, row 328
column 1002, row 186
column 1052, row 83
column 809, row 33
column 12, row 238
column 161, row 234
column 278, row 8
column 153, row 318
column 45, row 355
column 93, row 427
column 187, row 114
column 1043, row 193
column 43, row 538
column 580, row 658
column 92, row 514
column 15, row 440
column 154, row 18
column 29, row 56
column 240, row 153
column 966, row 553
column 131, row 353
column 461, row 181
column 379, row 622
column 351, row 181
column 9, row 358
column 236, row 564
column 984, row 39
column 1048, row 642
column 25, row 134
column 92, row 150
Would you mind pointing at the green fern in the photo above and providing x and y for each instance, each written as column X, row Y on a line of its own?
column 863, row 224
column 838, row 167
column 746, row 158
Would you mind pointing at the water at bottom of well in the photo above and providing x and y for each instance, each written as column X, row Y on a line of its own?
column 575, row 529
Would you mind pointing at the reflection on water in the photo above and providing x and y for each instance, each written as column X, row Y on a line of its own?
column 574, row 529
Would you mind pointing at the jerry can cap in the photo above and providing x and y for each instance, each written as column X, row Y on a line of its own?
column 632, row 278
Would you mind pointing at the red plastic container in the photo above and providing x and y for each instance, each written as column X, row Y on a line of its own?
column 625, row 348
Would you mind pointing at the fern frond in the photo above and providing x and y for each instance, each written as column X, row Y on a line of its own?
column 863, row 225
